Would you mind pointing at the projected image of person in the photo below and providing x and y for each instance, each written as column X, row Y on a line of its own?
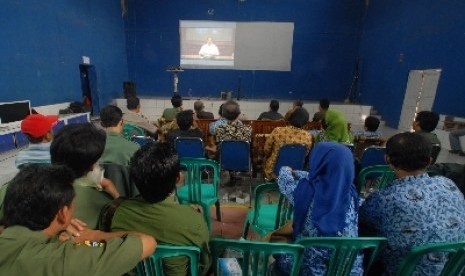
column 209, row 50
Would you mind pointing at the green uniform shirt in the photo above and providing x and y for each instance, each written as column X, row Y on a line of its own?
column 170, row 113
column 430, row 136
column 169, row 223
column 26, row 252
column 118, row 150
column 89, row 201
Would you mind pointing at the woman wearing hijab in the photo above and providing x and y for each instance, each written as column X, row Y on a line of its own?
column 325, row 204
column 335, row 128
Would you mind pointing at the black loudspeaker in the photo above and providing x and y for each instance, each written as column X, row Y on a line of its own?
column 129, row 88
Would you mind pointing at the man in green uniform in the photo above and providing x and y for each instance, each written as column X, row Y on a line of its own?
column 118, row 150
column 425, row 123
column 39, row 204
column 155, row 170
column 169, row 114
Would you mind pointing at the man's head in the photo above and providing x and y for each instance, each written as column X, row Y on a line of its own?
column 231, row 110
column 371, row 123
column 426, row 121
column 209, row 40
column 155, row 169
column 176, row 101
column 274, row 105
column 198, row 106
column 185, row 119
column 79, row 146
column 133, row 104
column 38, row 195
column 299, row 117
column 324, row 105
column 38, row 127
column 408, row 151
column 298, row 103
column 111, row 118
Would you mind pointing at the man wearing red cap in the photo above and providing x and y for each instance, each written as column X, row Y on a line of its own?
column 38, row 129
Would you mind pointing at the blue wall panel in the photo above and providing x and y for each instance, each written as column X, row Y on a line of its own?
column 403, row 35
column 42, row 43
column 326, row 37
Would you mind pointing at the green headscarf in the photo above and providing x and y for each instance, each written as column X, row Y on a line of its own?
column 337, row 128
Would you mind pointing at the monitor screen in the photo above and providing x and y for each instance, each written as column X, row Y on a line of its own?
column 14, row 111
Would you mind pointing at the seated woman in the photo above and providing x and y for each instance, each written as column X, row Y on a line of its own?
column 286, row 135
column 325, row 204
column 415, row 209
column 335, row 127
column 185, row 122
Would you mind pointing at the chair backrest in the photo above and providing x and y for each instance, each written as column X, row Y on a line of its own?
column 153, row 266
column 21, row 139
column 435, row 150
column 454, row 262
column 292, row 155
column 142, row 140
column 193, row 176
column 255, row 254
column 235, row 155
column 345, row 250
column 284, row 210
column 189, row 147
column 130, row 130
column 119, row 175
column 59, row 125
column 363, row 142
column 372, row 156
column 381, row 176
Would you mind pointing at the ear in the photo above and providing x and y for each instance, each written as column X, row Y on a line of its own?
column 179, row 177
column 48, row 136
column 63, row 215
column 387, row 160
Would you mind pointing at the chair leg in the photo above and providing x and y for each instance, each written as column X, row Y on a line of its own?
column 218, row 210
column 245, row 232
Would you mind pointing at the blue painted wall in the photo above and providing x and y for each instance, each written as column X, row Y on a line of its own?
column 42, row 43
column 403, row 35
column 326, row 37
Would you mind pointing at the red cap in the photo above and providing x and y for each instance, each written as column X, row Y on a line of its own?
column 37, row 125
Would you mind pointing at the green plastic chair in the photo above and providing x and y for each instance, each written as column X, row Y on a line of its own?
column 130, row 130
column 153, row 266
column 195, row 191
column 381, row 175
column 344, row 250
column 255, row 255
column 267, row 217
column 455, row 264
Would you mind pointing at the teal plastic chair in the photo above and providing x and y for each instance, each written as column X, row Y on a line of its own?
column 344, row 251
column 380, row 175
column 195, row 191
column 254, row 255
column 153, row 265
column 454, row 264
column 130, row 130
column 267, row 217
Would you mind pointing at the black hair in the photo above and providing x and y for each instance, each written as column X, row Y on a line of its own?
column 184, row 119
column 176, row 101
column 299, row 117
column 324, row 104
column 110, row 116
column 198, row 106
column 35, row 140
column 132, row 103
column 231, row 110
column 371, row 123
column 79, row 146
column 427, row 120
column 154, row 169
column 220, row 110
column 36, row 194
column 408, row 151
column 274, row 105
column 298, row 103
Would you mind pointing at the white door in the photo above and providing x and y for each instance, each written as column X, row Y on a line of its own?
column 419, row 95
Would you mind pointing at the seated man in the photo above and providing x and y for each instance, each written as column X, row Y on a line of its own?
column 209, row 50
column 232, row 130
column 370, row 128
column 169, row 114
column 425, row 123
column 38, row 129
column 185, row 122
column 415, row 209
column 273, row 114
column 319, row 116
column 155, row 170
column 135, row 118
column 80, row 146
column 201, row 113
column 295, row 104
column 39, row 205
column 118, row 150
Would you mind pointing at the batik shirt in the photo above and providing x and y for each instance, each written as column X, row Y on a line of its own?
column 220, row 122
column 233, row 132
column 413, row 211
column 315, row 261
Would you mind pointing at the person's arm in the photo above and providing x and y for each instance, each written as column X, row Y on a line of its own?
column 288, row 180
column 109, row 187
column 369, row 213
column 148, row 244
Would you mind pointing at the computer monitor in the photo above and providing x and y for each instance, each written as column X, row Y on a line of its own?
column 14, row 111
